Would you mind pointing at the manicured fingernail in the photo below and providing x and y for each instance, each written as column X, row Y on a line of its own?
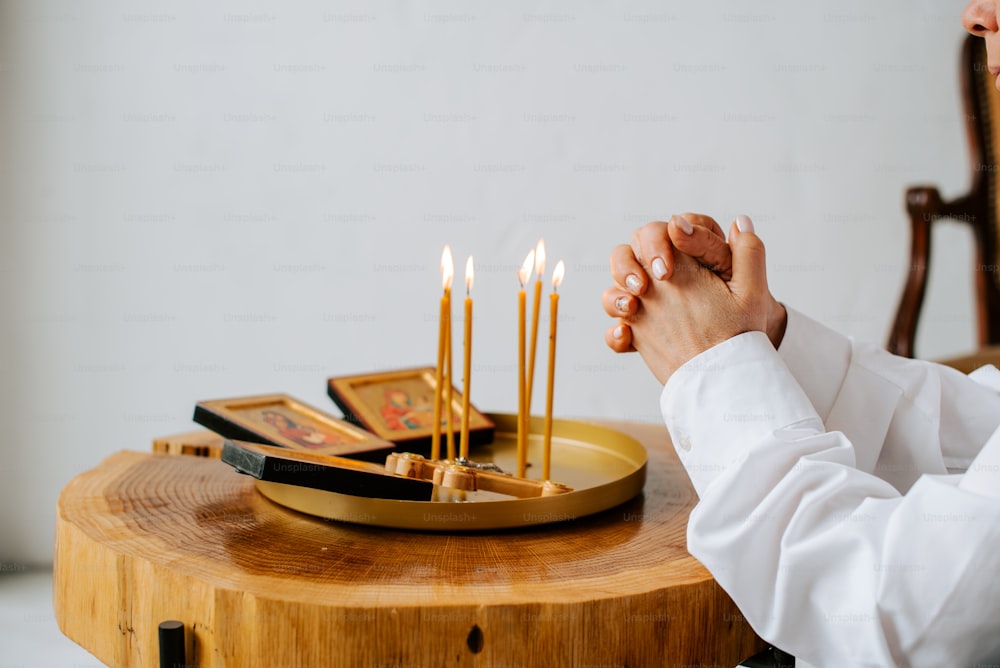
column 619, row 332
column 686, row 226
column 743, row 223
column 633, row 283
column 659, row 268
column 622, row 304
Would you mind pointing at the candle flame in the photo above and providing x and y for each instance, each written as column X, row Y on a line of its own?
column 540, row 258
column 447, row 268
column 558, row 273
column 525, row 271
column 468, row 275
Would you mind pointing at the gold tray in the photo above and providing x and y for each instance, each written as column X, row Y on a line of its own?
column 604, row 467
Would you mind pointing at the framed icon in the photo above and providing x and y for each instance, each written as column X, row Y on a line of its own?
column 398, row 406
column 281, row 420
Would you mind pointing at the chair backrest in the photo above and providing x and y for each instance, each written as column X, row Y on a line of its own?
column 977, row 208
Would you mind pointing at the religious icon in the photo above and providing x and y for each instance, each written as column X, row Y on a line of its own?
column 283, row 421
column 305, row 434
column 402, row 411
column 399, row 406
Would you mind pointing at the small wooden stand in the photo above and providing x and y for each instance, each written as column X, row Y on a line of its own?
column 144, row 538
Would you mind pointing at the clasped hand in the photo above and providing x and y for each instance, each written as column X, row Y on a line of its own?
column 681, row 289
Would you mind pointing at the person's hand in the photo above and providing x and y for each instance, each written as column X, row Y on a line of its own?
column 693, row 308
column 651, row 250
column 693, row 234
column 696, row 309
column 650, row 256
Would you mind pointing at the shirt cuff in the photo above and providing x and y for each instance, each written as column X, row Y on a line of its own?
column 818, row 358
column 728, row 398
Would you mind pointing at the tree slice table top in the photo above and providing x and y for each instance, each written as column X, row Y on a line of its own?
column 145, row 538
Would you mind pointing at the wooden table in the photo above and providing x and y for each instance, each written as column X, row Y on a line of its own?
column 146, row 537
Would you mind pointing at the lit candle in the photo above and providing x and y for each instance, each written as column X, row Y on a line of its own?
column 539, row 270
column 557, row 276
column 467, row 365
column 447, row 273
column 523, row 274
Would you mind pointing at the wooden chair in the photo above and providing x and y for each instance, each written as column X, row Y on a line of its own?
column 977, row 208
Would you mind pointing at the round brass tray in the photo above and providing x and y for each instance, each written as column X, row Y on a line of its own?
column 604, row 467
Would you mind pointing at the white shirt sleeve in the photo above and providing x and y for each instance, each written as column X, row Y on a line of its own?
column 904, row 417
column 825, row 558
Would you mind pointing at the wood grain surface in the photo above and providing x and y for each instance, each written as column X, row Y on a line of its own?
column 144, row 538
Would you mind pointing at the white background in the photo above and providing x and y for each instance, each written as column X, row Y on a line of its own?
column 205, row 200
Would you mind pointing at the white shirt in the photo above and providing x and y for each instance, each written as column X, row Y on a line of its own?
column 827, row 508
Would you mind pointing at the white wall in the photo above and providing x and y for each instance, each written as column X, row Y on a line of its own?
column 222, row 199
